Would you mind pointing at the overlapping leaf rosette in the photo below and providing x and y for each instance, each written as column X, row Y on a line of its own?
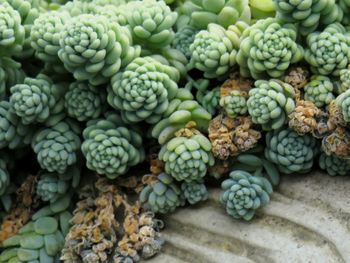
column 244, row 193
column 328, row 51
column 308, row 14
column 57, row 146
column 161, row 195
column 143, row 90
column 270, row 102
column 194, row 192
column 200, row 13
column 214, row 50
column 183, row 39
column 343, row 103
column 94, row 49
column 209, row 99
column 291, row 152
column 85, row 102
column 11, row 74
column 344, row 81
column 334, row 165
column 38, row 100
column 267, row 49
column 319, row 90
column 110, row 147
column 234, row 104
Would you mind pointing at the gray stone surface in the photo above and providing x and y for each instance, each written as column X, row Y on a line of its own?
column 307, row 220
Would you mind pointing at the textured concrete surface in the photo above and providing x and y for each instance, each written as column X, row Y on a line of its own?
column 307, row 220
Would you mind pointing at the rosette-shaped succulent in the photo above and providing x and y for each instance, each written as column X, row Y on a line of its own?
column 209, row 99
column 343, row 103
column 234, row 104
column 84, row 102
column 94, row 49
column 162, row 196
column 52, row 186
column 12, row 33
column 308, row 13
column 151, row 23
column 183, row 38
column 244, row 193
column 78, row 7
column 328, row 51
column 270, row 102
column 187, row 158
column 143, row 90
column 291, row 152
column 45, row 36
column 200, row 13
column 267, row 49
column 334, row 165
column 319, row 91
column 4, row 177
column 56, row 146
column 344, row 79
column 13, row 133
column 10, row 74
column 40, row 240
column 37, row 100
column 214, row 50
column 110, row 148
column 194, row 192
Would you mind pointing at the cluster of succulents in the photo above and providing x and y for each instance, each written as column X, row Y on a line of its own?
column 103, row 99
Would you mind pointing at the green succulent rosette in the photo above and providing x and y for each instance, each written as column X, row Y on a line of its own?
column 244, row 193
column 209, row 99
column 11, row 74
column 79, row 7
column 291, row 152
column 344, row 81
column 187, row 158
column 110, row 147
column 181, row 111
column 12, row 33
column 270, row 102
column 151, row 23
column 4, row 177
column 85, row 102
column 267, row 49
column 328, row 51
column 143, row 90
column 183, row 38
column 308, row 14
column 40, row 240
column 200, row 13
column 38, row 100
column 319, row 91
column 334, row 165
column 13, row 133
column 214, row 50
column 234, row 104
column 57, row 146
column 163, row 196
column 194, row 192
column 343, row 103
column 45, row 37
column 94, row 49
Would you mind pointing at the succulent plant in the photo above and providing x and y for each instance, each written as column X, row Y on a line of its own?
column 270, row 102
column 183, row 38
column 111, row 148
column 214, row 50
column 143, row 90
column 94, row 49
column 234, row 104
column 200, row 13
column 209, row 99
column 38, row 100
column 162, row 196
column 328, row 51
column 85, row 102
column 244, row 193
column 11, row 74
column 319, row 91
column 4, row 177
column 308, row 14
column 344, row 81
column 291, row 152
column 334, row 165
column 12, row 32
column 56, row 146
column 79, row 7
column 261, row 9
column 151, row 23
column 345, row 7
column 343, row 103
column 187, row 158
column 267, row 49
column 194, row 192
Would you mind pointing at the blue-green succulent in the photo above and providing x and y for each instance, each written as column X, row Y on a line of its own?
column 319, row 90
column 194, row 192
column 334, row 165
